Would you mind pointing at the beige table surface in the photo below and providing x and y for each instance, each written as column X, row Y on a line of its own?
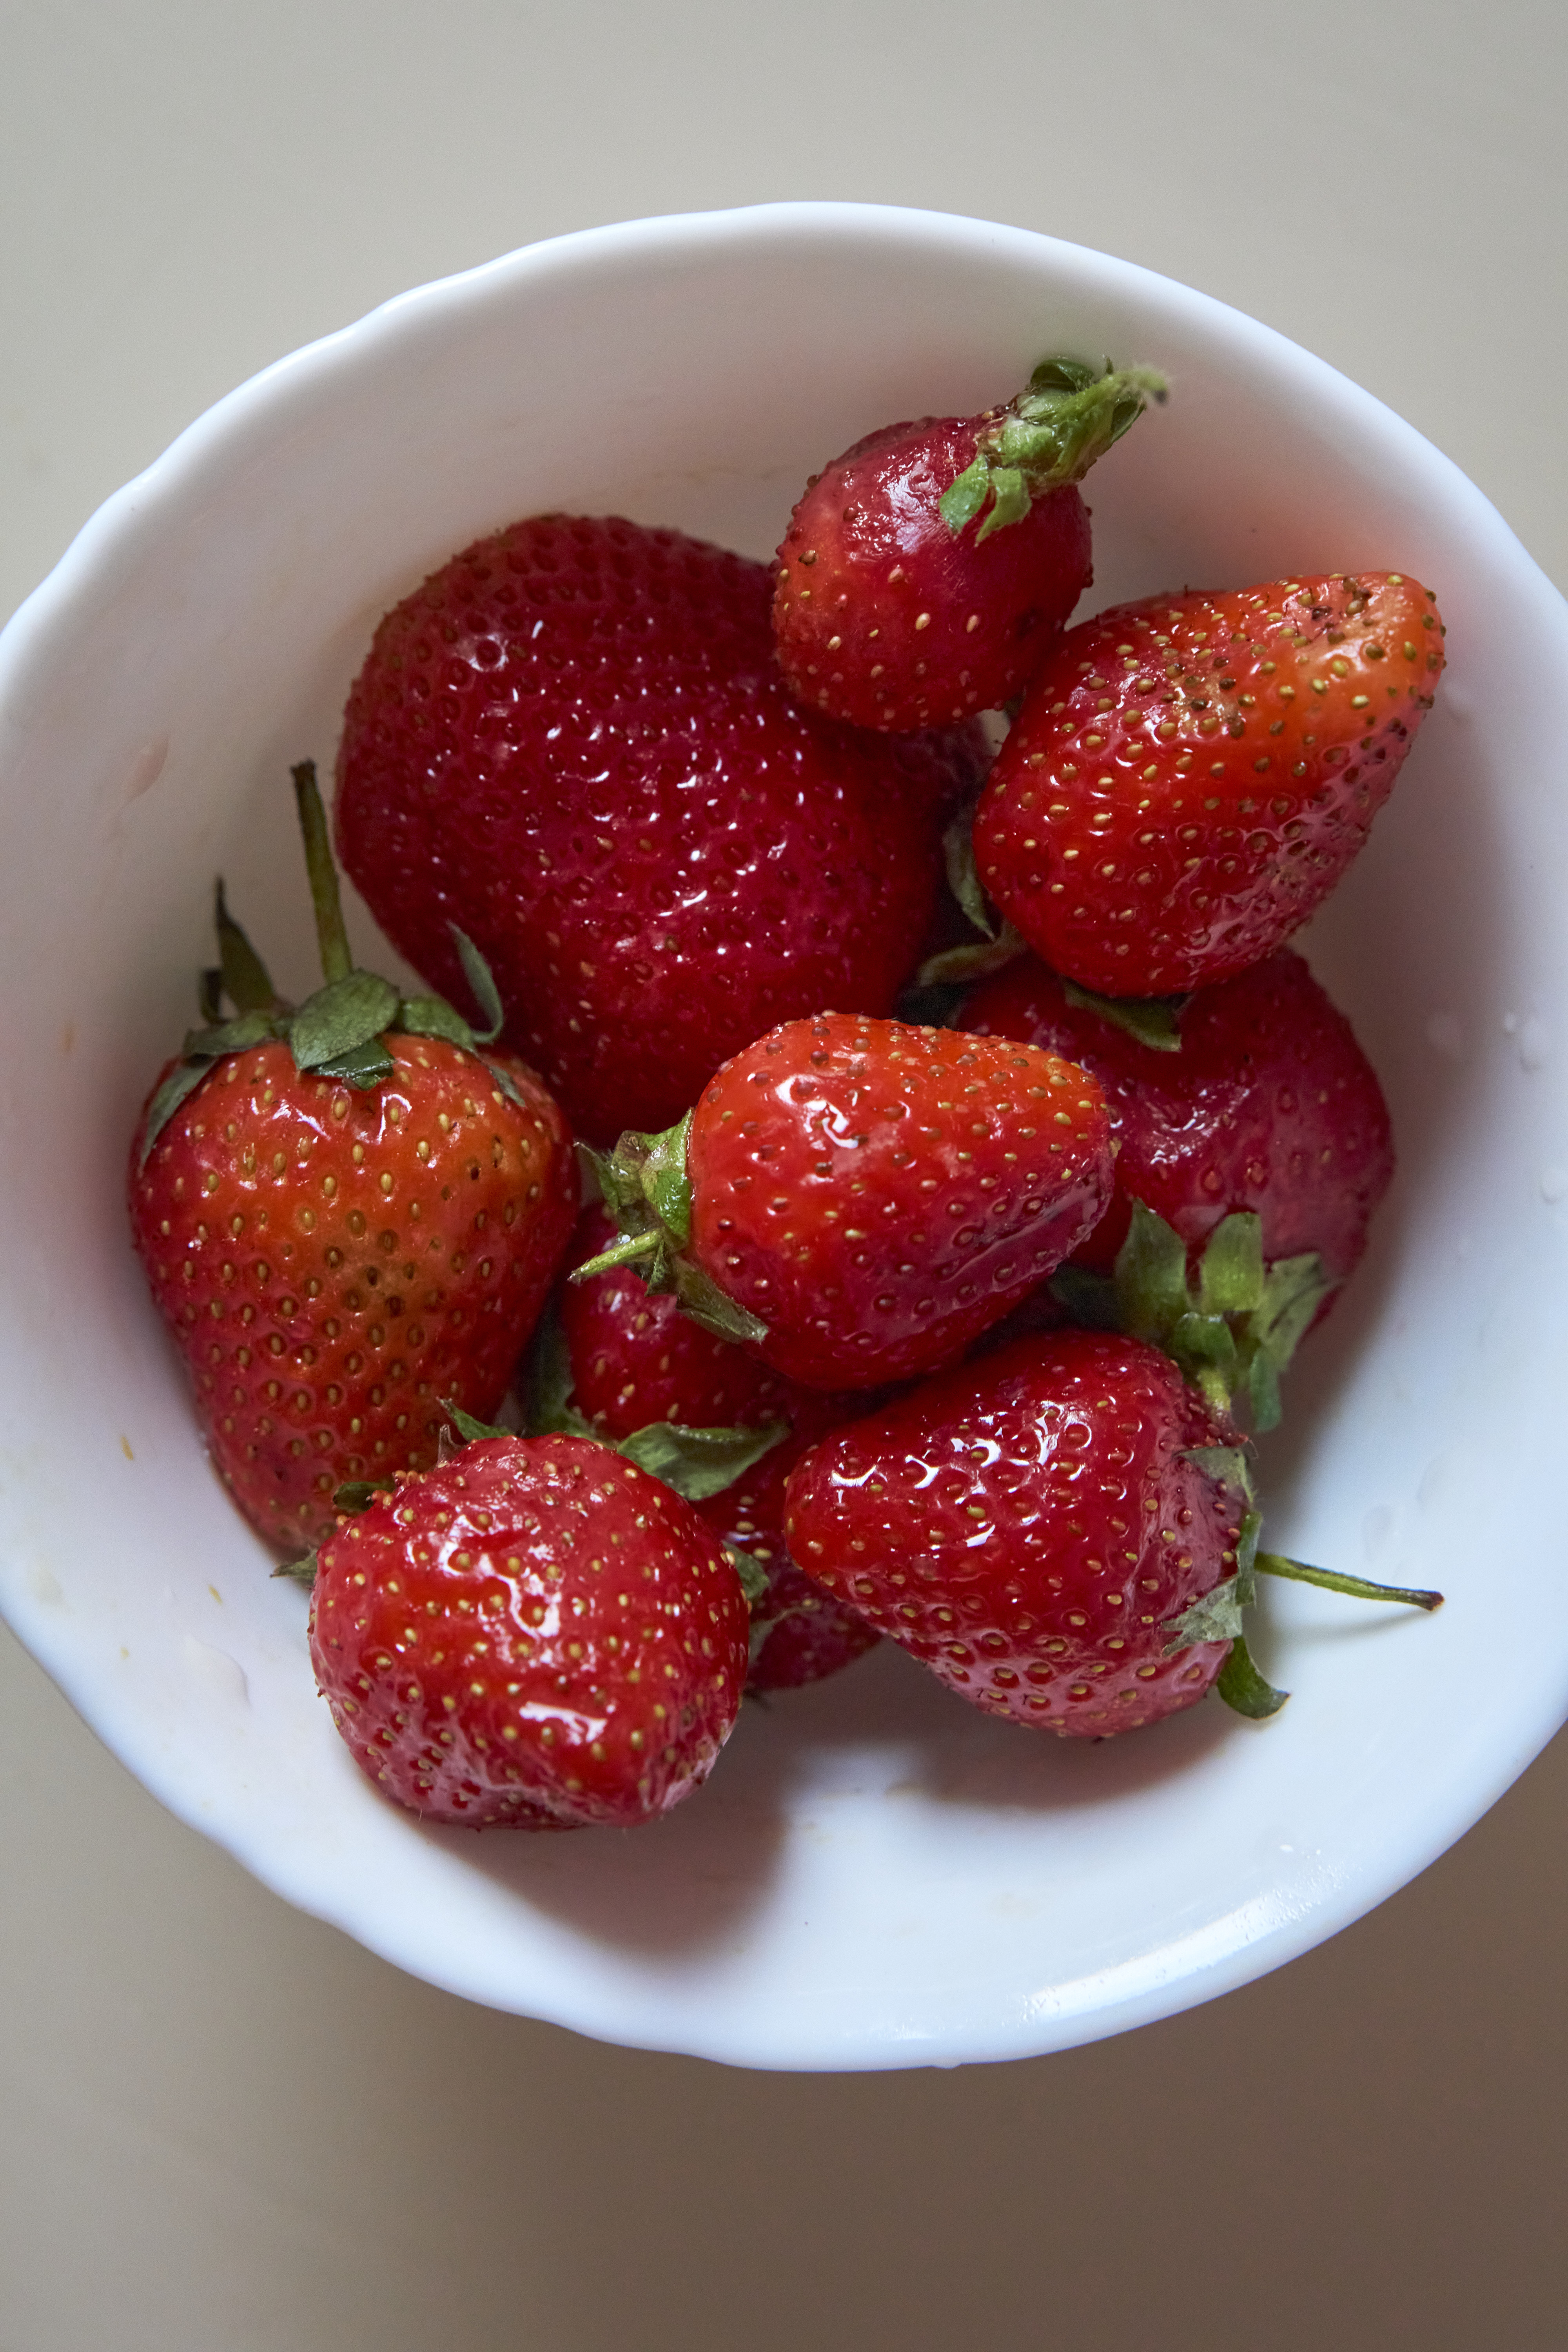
column 225, row 2128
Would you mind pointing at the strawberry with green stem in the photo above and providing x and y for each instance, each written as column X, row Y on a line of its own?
column 346, row 1211
column 1064, row 1532
column 927, row 571
column 858, row 1200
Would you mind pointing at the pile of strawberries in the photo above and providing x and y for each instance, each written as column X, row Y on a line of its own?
column 962, row 1153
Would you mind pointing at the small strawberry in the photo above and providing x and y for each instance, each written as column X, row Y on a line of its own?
column 573, row 741
column 537, row 1633
column 346, row 1213
column 634, row 1359
column 1063, row 1532
column 1190, row 776
column 859, row 1199
column 889, row 609
column 1249, row 1101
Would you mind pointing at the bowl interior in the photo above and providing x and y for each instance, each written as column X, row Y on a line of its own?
column 876, row 1875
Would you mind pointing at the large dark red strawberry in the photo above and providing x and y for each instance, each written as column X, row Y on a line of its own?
column 1190, row 776
column 347, row 1211
column 1256, row 1097
column 927, row 571
column 633, row 1359
column 859, row 1199
column 536, row 1634
column 574, row 743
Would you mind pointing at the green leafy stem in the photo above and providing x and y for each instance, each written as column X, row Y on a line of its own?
column 1219, row 1615
column 340, row 1031
column 1068, row 417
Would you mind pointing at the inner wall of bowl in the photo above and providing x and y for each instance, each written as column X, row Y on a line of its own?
column 202, row 638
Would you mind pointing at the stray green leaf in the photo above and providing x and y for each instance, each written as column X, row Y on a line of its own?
column 698, row 1462
column 340, row 1019
column 468, row 1428
column 432, row 1016
column 1241, row 1685
column 359, row 1494
column 481, row 980
column 246, row 980
column 1154, row 1021
column 973, row 962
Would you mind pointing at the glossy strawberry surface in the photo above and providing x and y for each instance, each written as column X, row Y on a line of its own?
column 334, row 1263
column 1028, row 1527
column 537, row 1633
column 636, row 1359
column 1270, row 1104
column 886, row 616
column 574, row 742
column 877, row 1194
column 1190, row 776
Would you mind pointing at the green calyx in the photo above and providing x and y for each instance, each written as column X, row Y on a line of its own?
column 647, row 1192
column 340, row 1031
column 1051, row 435
column 1233, row 1331
column 1219, row 1615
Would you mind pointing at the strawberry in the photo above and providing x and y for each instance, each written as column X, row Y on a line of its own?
column 1190, row 776
column 573, row 741
column 346, row 1213
column 889, row 609
column 537, row 1632
column 633, row 1359
column 859, row 1199
column 1251, row 1100
column 1064, row 1533
column 1030, row 1527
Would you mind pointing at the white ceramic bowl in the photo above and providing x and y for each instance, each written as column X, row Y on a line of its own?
column 876, row 1875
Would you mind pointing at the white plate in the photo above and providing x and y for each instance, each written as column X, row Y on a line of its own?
column 876, row 1875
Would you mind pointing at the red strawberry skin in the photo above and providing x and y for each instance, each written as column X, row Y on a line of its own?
column 879, row 1194
column 636, row 1359
column 332, row 1263
column 1190, row 776
column 1027, row 1526
column 1270, row 1106
column 537, row 1633
column 816, row 1634
column 884, row 616
column 574, row 742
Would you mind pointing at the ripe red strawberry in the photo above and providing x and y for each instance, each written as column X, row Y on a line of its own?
column 346, row 1214
column 1032, row 1526
column 1259, row 1100
column 927, row 571
column 573, row 741
column 537, row 1632
column 1190, row 776
column 859, row 1199
column 635, row 1360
